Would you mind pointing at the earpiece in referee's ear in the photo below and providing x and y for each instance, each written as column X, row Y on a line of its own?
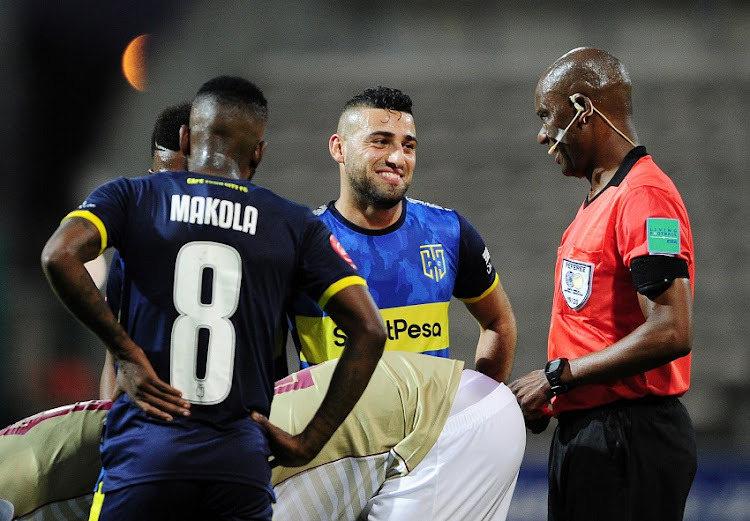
column 579, row 103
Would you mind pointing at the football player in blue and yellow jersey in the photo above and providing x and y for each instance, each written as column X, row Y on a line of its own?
column 210, row 260
column 414, row 255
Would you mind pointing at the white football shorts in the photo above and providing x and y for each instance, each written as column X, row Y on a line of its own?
column 471, row 471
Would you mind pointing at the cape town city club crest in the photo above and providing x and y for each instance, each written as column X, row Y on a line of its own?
column 434, row 265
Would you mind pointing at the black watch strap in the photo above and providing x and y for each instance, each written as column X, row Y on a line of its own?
column 553, row 371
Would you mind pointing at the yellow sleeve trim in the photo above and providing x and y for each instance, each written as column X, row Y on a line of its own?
column 486, row 292
column 93, row 219
column 351, row 280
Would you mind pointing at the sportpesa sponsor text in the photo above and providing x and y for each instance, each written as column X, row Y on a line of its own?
column 416, row 328
column 398, row 328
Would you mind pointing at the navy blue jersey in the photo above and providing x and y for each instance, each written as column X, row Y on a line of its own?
column 207, row 266
column 115, row 296
column 412, row 268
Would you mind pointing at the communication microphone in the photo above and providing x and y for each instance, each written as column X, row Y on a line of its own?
column 577, row 99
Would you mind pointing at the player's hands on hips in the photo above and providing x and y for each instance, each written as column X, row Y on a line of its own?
column 287, row 450
column 533, row 394
column 137, row 378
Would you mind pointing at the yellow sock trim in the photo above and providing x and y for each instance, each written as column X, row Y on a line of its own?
column 96, row 505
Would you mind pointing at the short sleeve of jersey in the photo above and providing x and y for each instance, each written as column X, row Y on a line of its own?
column 107, row 208
column 643, row 213
column 476, row 274
column 325, row 267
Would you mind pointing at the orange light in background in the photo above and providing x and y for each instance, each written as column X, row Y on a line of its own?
column 134, row 62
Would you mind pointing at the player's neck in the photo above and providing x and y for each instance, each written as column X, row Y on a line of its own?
column 368, row 216
column 219, row 165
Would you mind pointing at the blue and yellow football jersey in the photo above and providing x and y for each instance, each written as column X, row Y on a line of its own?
column 207, row 266
column 412, row 269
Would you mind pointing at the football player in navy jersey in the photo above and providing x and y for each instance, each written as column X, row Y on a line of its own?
column 210, row 259
column 415, row 255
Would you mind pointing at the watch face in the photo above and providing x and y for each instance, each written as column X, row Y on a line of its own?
column 554, row 365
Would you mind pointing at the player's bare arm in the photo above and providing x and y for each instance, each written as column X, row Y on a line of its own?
column 496, row 347
column 355, row 313
column 74, row 243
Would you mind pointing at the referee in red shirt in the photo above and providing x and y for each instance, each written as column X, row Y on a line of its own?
column 622, row 313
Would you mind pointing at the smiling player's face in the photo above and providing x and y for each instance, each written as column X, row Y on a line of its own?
column 379, row 149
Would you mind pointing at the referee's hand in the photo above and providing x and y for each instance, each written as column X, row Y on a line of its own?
column 533, row 394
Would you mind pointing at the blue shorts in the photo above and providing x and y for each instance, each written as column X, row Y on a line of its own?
column 183, row 500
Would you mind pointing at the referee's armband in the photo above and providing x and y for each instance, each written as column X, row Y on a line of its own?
column 653, row 274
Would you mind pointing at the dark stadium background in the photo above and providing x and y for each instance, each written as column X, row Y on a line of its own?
column 71, row 121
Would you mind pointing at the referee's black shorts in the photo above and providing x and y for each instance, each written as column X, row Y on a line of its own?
column 632, row 460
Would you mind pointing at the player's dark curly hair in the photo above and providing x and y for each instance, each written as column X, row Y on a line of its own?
column 381, row 98
column 167, row 127
column 237, row 91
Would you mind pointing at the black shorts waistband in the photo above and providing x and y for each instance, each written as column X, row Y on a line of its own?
column 644, row 401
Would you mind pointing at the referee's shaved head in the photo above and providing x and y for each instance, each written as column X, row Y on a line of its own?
column 594, row 73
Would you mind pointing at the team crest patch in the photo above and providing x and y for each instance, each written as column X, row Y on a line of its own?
column 433, row 261
column 575, row 282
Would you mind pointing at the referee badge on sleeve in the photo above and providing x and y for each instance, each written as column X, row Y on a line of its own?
column 575, row 282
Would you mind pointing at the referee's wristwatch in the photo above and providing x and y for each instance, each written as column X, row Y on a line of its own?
column 553, row 371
